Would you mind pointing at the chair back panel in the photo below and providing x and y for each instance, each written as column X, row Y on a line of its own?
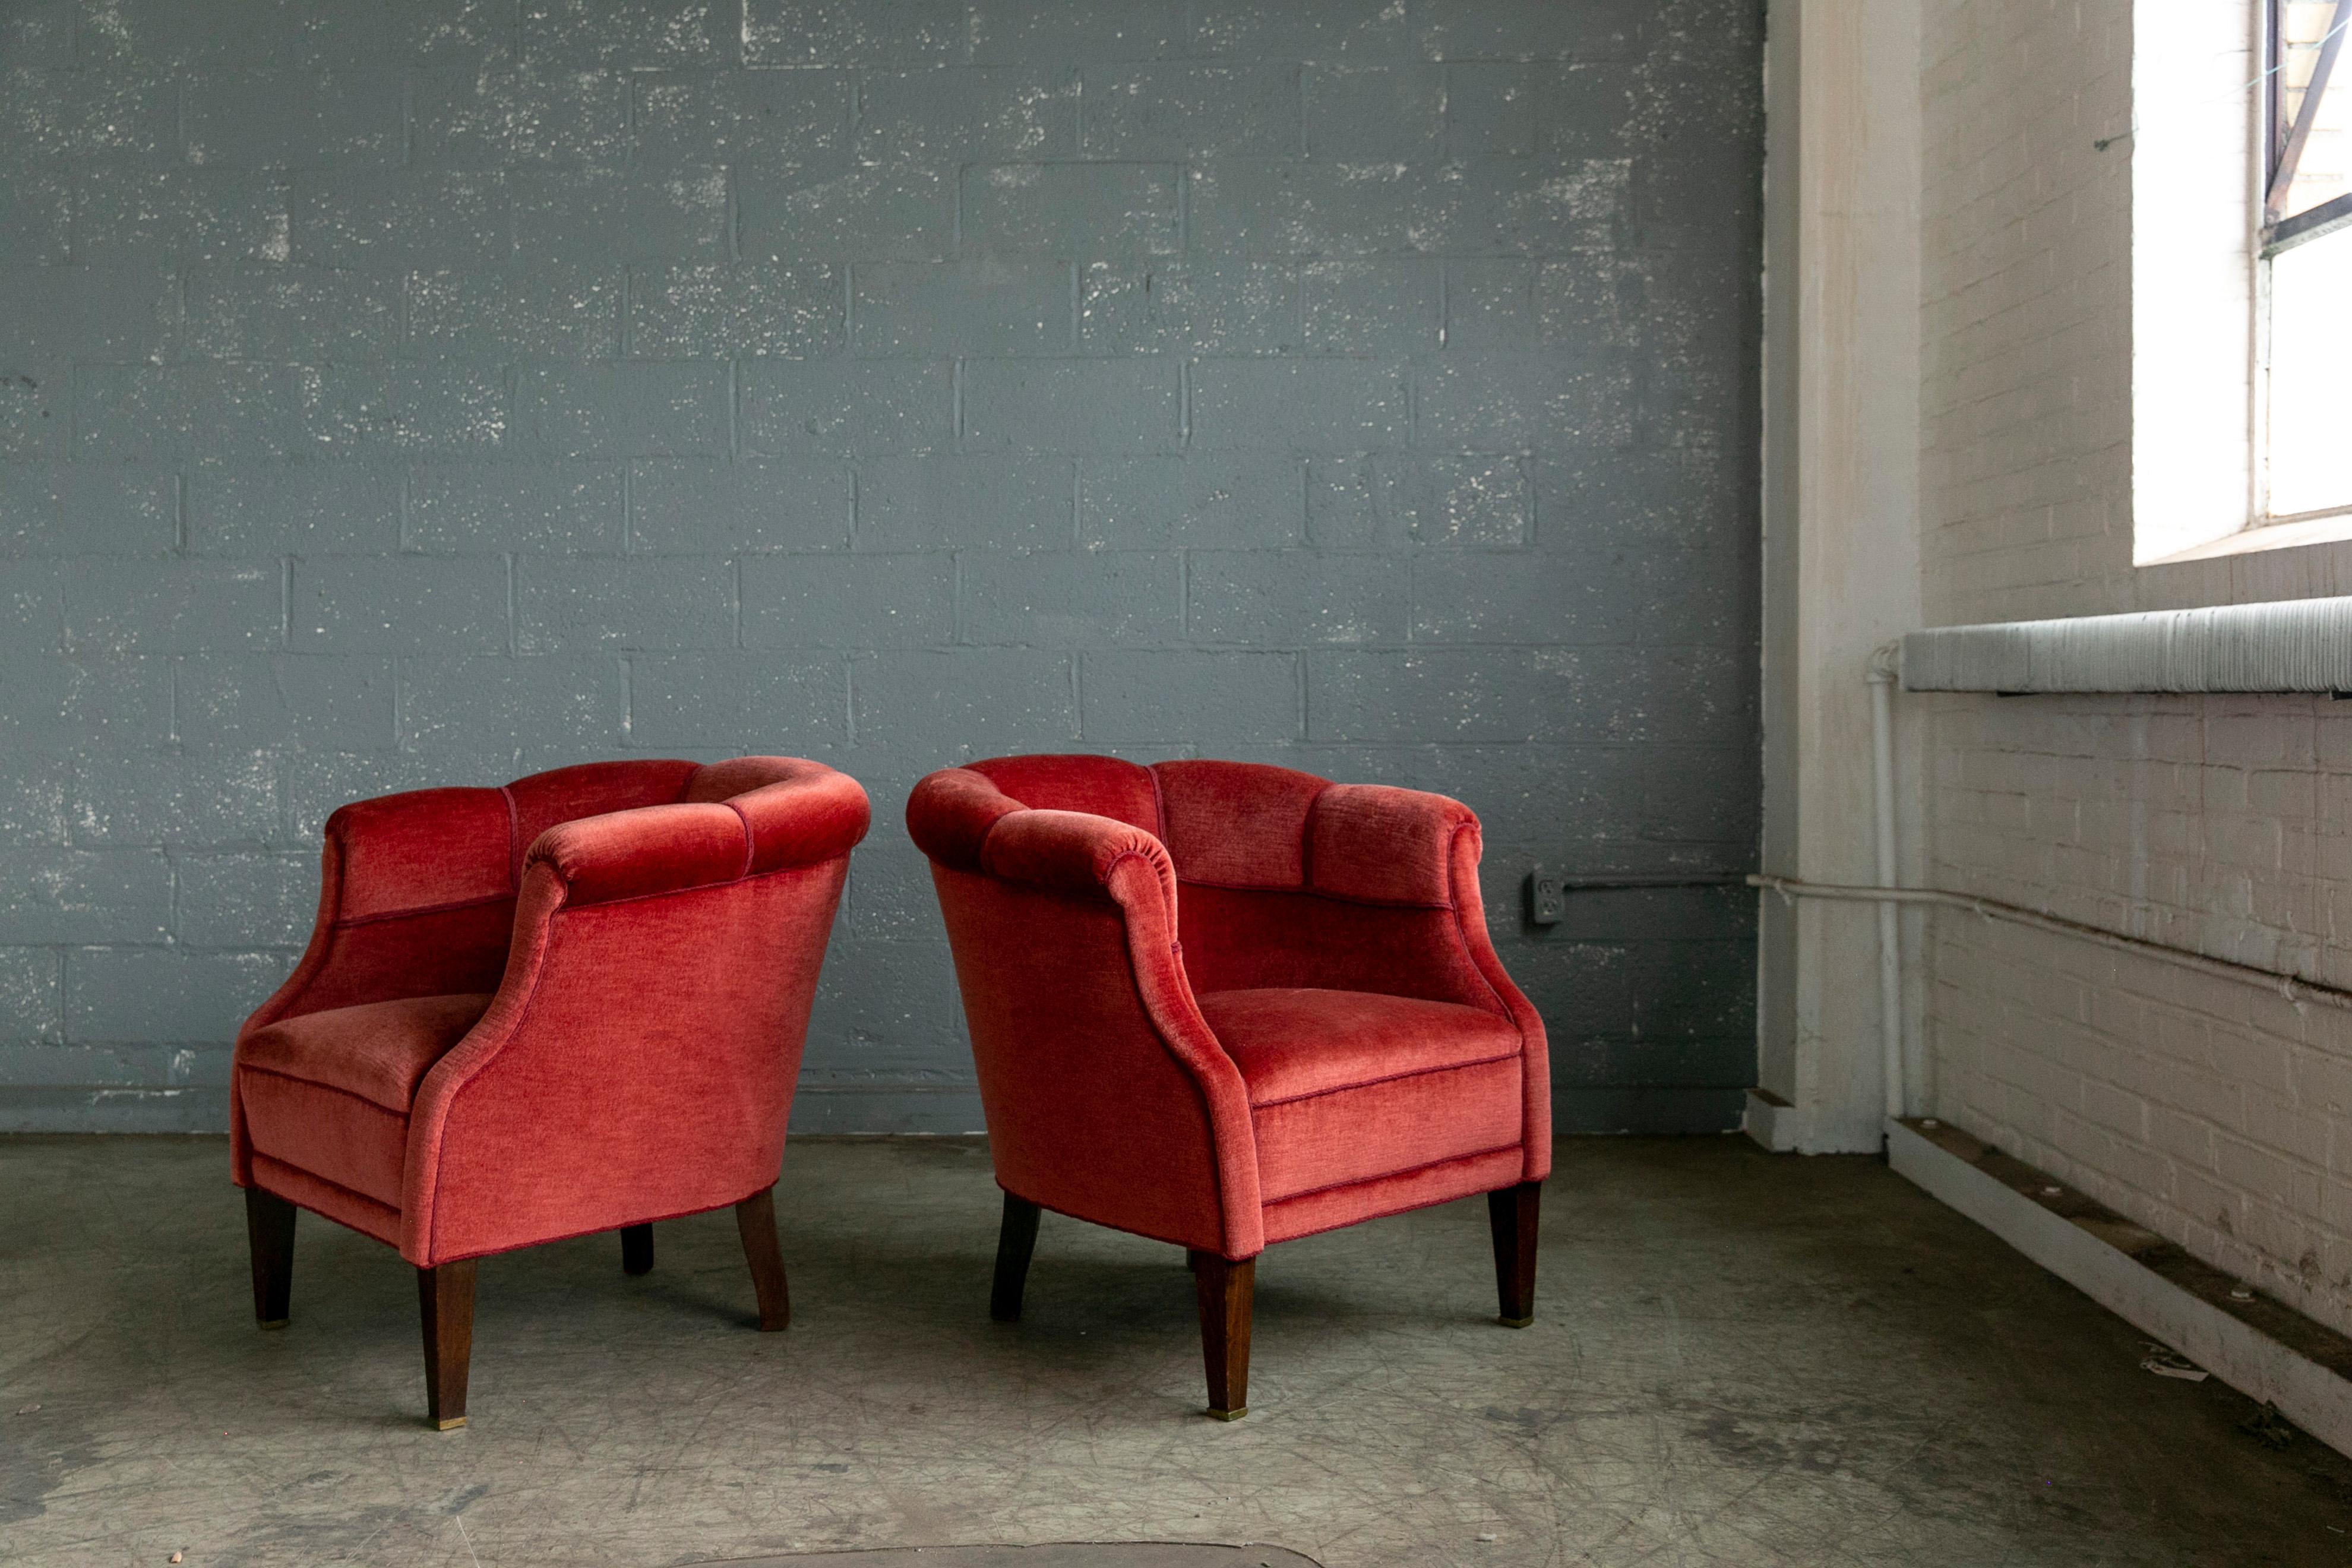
column 438, row 952
column 1239, row 939
column 1237, row 824
column 418, row 851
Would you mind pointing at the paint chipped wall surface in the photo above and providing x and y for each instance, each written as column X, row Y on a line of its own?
column 2219, row 1115
column 429, row 393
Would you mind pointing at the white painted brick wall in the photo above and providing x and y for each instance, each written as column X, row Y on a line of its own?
column 2216, row 1113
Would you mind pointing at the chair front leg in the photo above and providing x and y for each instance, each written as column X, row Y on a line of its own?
column 1015, row 1242
column 636, row 1249
column 1512, row 1214
column 755, row 1220
column 445, row 1298
column 1225, row 1289
column 269, row 1232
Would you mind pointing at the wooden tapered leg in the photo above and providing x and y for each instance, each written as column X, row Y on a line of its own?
column 445, row 1298
column 755, row 1217
column 269, row 1231
column 636, row 1249
column 1224, row 1289
column 1015, row 1242
column 1512, row 1214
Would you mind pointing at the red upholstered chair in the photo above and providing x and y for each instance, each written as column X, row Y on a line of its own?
column 1224, row 1004
column 573, row 1004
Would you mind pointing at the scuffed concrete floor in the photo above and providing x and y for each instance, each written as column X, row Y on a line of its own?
column 1738, row 1359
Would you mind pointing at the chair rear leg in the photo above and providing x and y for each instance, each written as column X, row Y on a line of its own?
column 1512, row 1214
column 1225, row 1289
column 1015, row 1242
column 445, row 1298
column 636, row 1249
column 269, row 1231
column 755, row 1218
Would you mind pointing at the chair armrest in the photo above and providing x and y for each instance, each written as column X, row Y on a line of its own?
column 662, row 1036
column 431, row 870
column 812, row 816
column 959, row 818
column 636, row 853
column 1374, row 844
column 950, row 812
column 810, row 813
column 1381, row 844
column 987, row 845
column 1074, row 852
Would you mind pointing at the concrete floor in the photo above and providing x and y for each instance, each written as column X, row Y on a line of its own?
column 1738, row 1359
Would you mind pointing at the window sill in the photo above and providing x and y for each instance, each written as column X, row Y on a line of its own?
column 2326, row 529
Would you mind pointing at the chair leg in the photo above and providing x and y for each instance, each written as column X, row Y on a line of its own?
column 269, row 1231
column 755, row 1218
column 636, row 1249
column 445, row 1298
column 1015, row 1242
column 1512, row 1214
column 1224, row 1289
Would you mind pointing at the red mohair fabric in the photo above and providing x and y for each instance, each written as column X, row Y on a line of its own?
column 1332, row 1037
column 568, row 1004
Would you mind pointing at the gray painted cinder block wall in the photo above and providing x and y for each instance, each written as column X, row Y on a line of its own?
column 396, row 395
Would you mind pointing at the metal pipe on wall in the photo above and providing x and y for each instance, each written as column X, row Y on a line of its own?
column 1885, row 669
column 2295, row 988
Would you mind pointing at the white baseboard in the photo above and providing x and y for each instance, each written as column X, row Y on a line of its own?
column 1772, row 1122
column 2306, row 1392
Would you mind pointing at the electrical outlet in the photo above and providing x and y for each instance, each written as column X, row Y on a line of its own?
column 1543, row 896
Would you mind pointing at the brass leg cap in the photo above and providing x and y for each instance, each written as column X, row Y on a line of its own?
column 1515, row 1323
column 451, row 1424
column 275, row 1322
column 1235, row 1414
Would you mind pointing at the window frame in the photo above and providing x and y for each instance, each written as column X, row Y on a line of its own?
column 2277, row 231
column 2282, row 142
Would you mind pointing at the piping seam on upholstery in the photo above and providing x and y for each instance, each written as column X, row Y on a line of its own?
column 698, row 887
column 331, row 1089
column 1393, row 1175
column 1461, row 930
column 1307, row 891
column 441, row 1133
column 746, row 821
column 1192, row 1074
column 1306, row 838
column 514, row 836
column 600, row 1229
column 345, row 922
column 392, row 1209
column 1509, row 1055
column 1147, row 1234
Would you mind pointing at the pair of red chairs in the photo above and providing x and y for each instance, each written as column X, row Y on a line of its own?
column 1215, row 1004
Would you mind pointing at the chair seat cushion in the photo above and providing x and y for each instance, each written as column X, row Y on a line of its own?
column 380, row 1051
column 1348, row 1086
column 328, row 1092
column 1292, row 1044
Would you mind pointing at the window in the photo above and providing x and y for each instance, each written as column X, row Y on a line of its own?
column 2307, row 255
